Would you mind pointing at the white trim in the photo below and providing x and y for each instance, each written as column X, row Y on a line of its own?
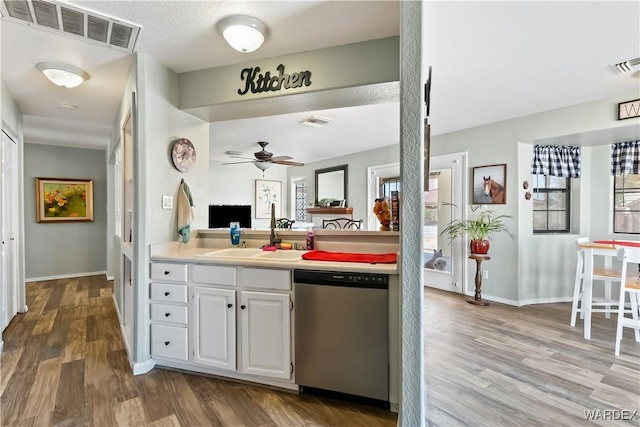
column 552, row 300
column 1, row 346
column 143, row 367
column 115, row 305
column 110, row 277
column 66, row 276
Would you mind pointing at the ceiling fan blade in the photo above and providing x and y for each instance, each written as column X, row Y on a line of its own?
column 237, row 163
column 241, row 157
column 278, row 158
column 288, row 163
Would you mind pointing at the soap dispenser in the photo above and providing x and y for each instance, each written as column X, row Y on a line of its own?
column 234, row 231
column 310, row 239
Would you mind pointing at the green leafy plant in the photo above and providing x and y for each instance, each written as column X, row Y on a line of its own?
column 479, row 228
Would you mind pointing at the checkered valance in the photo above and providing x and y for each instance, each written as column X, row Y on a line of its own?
column 625, row 158
column 556, row 160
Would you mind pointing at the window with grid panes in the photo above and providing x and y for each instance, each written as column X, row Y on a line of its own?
column 551, row 204
column 301, row 202
column 626, row 204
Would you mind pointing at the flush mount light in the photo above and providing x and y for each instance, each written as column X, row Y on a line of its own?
column 63, row 75
column 243, row 33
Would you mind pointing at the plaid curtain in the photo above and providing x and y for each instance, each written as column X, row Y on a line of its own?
column 625, row 158
column 556, row 160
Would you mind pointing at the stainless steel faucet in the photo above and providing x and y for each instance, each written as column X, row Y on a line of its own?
column 273, row 237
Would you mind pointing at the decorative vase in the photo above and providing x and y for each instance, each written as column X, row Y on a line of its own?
column 479, row 246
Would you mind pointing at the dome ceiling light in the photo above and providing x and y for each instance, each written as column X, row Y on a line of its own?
column 243, row 33
column 63, row 75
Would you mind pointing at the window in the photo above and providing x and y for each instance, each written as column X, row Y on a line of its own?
column 626, row 203
column 551, row 204
column 387, row 185
column 301, row 202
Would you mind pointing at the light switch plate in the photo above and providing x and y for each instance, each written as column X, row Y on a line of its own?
column 167, row 202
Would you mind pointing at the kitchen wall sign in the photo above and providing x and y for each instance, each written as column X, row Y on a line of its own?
column 257, row 82
column 629, row 109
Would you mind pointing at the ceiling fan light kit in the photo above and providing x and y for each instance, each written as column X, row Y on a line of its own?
column 243, row 33
column 63, row 75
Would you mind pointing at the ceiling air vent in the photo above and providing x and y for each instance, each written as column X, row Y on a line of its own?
column 626, row 66
column 315, row 121
column 73, row 21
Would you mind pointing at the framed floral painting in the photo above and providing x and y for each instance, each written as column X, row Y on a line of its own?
column 62, row 200
column 268, row 192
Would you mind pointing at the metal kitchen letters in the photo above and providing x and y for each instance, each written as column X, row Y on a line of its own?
column 257, row 82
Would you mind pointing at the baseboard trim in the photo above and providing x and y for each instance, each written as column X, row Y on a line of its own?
column 143, row 367
column 553, row 300
column 65, row 276
column 111, row 277
column 1, row 346
column 115, row 305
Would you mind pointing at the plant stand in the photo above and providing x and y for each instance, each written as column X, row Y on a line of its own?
column 477, row 299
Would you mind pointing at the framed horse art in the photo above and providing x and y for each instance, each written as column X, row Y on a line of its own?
column 489, row 185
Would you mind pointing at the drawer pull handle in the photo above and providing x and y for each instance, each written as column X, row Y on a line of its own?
column 167, row 314
column 243, row 306
column 167, row 342
column 229, row 305
column 166, row 294
column 166, row 272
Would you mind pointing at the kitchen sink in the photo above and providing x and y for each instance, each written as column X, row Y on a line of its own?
column 232, row 253
column 286, row 255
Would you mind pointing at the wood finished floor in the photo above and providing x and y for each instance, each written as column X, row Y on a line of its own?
column 64, row 364
column 506, row 366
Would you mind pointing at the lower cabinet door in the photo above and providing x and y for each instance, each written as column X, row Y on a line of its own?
column 170, row 342
column 214, row 327
column 266, row 334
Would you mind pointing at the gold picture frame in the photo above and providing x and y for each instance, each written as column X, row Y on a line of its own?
column 64, row 200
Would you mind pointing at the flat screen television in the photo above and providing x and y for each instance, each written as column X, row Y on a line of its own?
column 221, row 215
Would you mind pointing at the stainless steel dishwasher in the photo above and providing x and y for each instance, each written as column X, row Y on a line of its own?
column 341, row 333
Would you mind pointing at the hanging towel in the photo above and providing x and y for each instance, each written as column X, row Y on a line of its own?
column 185, row 211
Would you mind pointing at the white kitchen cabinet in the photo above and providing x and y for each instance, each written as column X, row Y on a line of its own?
column 266, row 334
column 214, row 327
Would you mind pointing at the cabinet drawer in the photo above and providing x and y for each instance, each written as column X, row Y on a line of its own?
column 170, row 342
column 169, row 313
column 213, row 274
column 169, row 271
column 262, row 278
column 169, row 293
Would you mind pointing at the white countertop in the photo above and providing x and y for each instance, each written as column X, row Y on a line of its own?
column 194, row 255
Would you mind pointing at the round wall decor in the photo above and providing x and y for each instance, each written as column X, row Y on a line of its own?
column 183, row 154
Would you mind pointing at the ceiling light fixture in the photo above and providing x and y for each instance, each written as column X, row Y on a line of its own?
column 63, row 75
column 263, row 166
column 243, row 33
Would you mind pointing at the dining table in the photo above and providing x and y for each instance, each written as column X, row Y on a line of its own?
column 606, row 247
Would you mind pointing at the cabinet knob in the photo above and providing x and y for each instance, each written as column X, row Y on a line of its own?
column 167, row 342
column 167, row 314
column 229, row 305
column 166, row 294
column 243, row 307
column 166, row 272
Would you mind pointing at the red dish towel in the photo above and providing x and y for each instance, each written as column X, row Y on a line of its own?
column 619, row 242
column 389, row 258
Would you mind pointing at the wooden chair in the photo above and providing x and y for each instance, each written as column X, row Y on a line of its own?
column 628, row 285
column 606, row 275
column 342, row 224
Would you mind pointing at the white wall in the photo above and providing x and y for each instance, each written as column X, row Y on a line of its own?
column 528, row 268
column 357, row 177
column 235, row 185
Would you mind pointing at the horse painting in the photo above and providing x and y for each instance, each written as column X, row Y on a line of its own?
column 493, row 190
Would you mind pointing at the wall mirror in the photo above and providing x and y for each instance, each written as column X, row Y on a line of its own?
column 331, row 184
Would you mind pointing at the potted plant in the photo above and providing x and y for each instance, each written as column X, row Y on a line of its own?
column 478, row 229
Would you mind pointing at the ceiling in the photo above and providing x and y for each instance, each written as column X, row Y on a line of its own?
column 491, row 61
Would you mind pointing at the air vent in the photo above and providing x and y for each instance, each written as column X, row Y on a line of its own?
column 315, row 121
column 73, row 21
column 626, row 66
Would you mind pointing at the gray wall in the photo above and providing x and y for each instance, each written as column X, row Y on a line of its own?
column 68, row 248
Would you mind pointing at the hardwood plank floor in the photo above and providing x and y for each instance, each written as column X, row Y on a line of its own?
column 485, row 366
column 64, row 363
column 507, row 366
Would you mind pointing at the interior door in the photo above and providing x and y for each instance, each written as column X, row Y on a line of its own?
column 444, row 260
column 8, row 223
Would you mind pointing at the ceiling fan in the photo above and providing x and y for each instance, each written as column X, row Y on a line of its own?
column 264, row 159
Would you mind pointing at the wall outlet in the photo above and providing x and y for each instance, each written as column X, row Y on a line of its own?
column 167, row 202
column 485, row 274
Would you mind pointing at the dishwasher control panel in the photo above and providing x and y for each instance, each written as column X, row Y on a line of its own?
column 340, row 278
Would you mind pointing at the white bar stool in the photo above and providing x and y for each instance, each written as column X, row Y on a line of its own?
column 628, row 285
